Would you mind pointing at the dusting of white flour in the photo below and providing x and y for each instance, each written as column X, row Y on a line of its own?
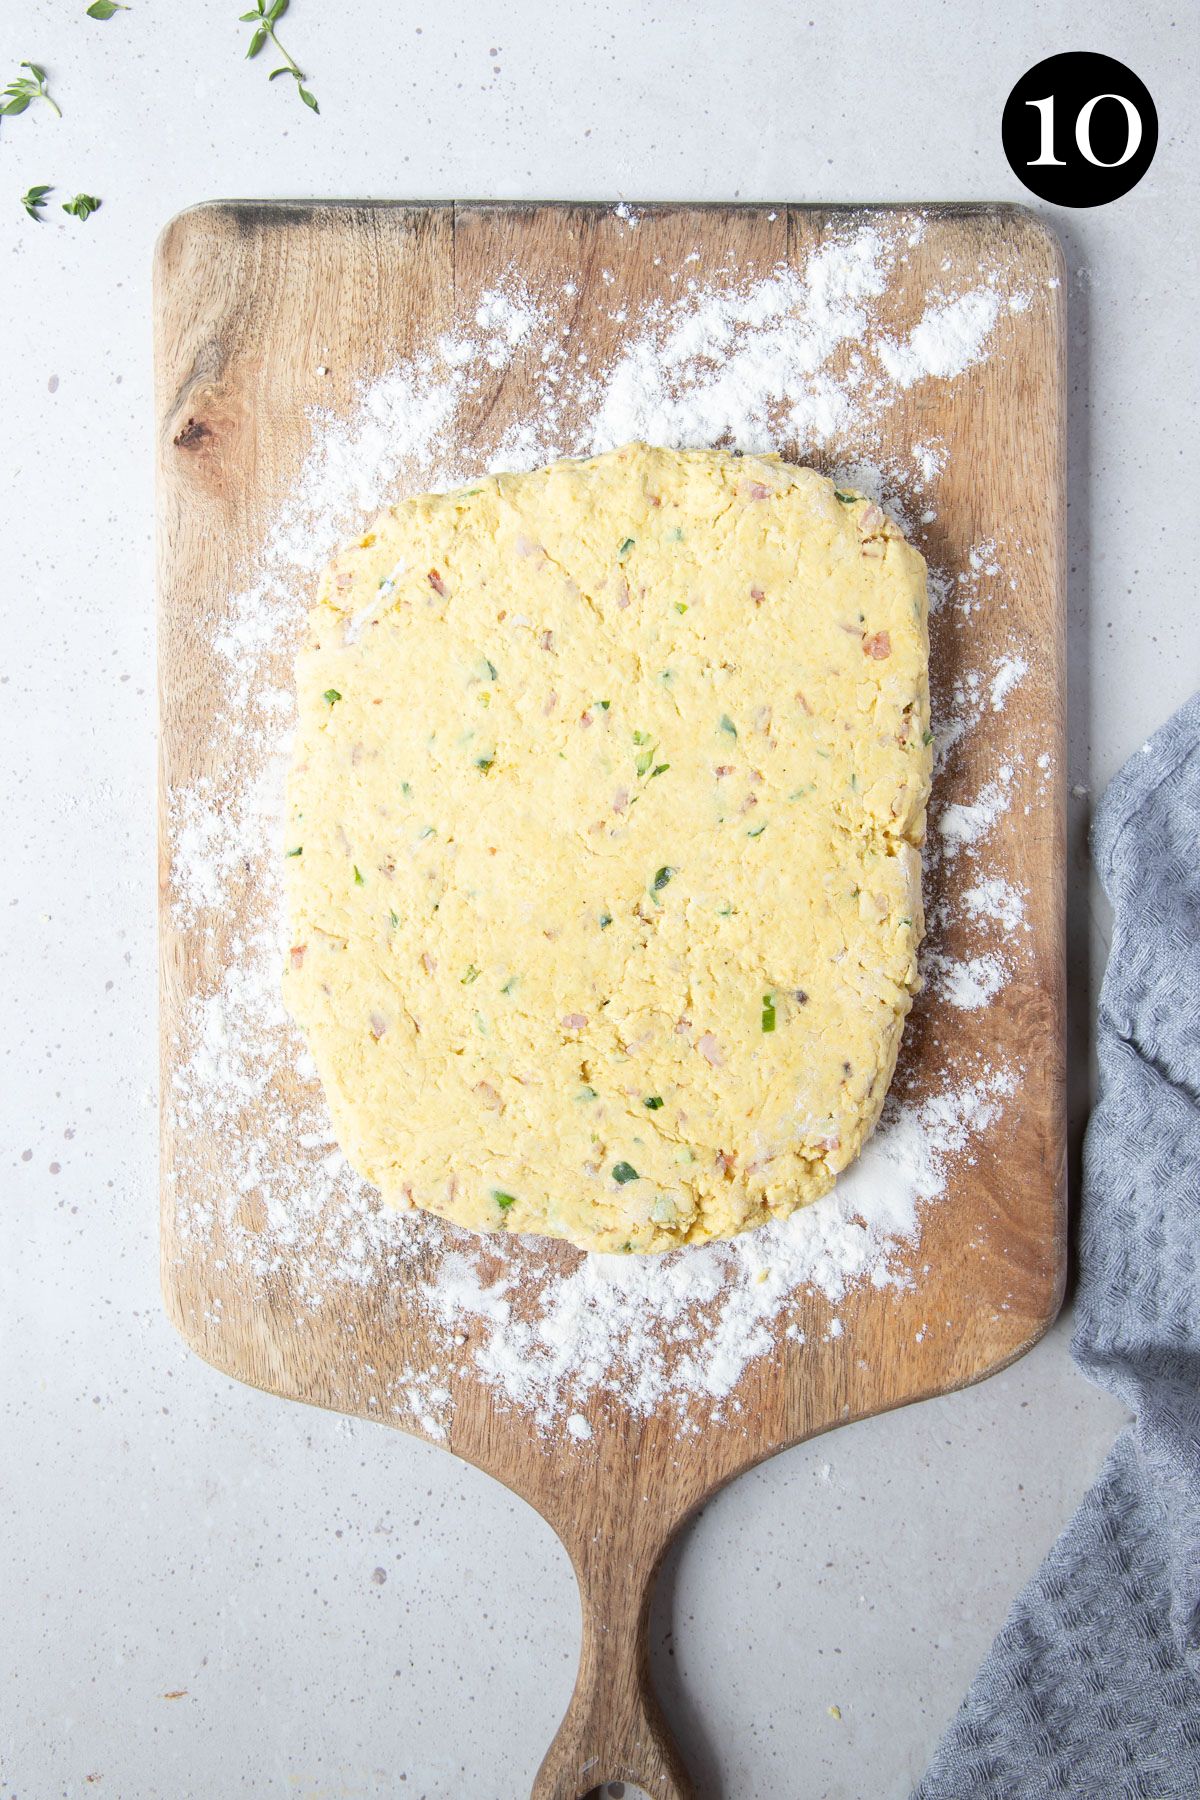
column 786, row 358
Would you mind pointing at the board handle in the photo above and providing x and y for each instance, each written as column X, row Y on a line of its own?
column 614, row 1728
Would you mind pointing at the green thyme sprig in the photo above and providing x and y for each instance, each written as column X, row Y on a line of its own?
column 264, row 19
column 34, row 200
column 25, row 88
column 82, row 206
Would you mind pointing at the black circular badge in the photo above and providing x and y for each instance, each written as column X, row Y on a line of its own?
column 1079, row 129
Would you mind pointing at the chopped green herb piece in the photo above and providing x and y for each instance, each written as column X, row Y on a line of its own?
column 823, row 754
column 484, row 763
column 644, row 761
column 604, row 705
column 82, row 206
column 626, row 1249
column 264, row 17
column 768, row 1012
column 662, row 877
column 906, row 921
column 641, row 737
column 298, row 851
column 587, row 1093
column 471, row 975
column 681, row 606
column 757, row 832
column 105, row 9
column 491, row 668
column 654, row 1101
column 510, row 984
column 659, row 769
column 853, row 782
column 846, row 499
column 676, row 536
column 724, row 912
column 605, row 921
column 626, row 547
column 331, row 696
column 623, row 1172
column 429, row 831
column 503, row 1200
column 358, row 876
column 927, row 737
column 728, row 725
column 24, row 88
column 394, row 917
column 34, row 200
column 469, row 493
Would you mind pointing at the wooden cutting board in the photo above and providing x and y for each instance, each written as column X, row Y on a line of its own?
column 265, row 309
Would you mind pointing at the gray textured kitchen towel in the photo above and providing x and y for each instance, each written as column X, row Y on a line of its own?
column 1092, row 1689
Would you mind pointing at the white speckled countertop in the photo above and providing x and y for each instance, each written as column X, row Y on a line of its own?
column 208, row 1592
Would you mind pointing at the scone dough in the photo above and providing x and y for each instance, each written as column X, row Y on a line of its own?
column 603, row 844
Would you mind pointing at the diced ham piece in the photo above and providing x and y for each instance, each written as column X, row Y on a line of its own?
column 487, row 1095
column 378, row 1025
column 575, row 1022
column 710, row 1050
column 436, row 583
column 878, row 644
column 297, row 955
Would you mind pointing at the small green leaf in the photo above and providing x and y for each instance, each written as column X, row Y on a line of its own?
column 16, row 105
column 331, row 695
column 653, row 1101
column 757, row 832
column 510, row 984
column 641, row 737
column 257, row 40
column 104, row 9
column 768, row 1013
column 605, row 921
column 681, row 606
column 503, row 1200
column 659, row 769
column 604, row 705
column 278, row 8
column 587, row 1093
column 484, row 763
column 284, row 70
column 39, row 74
column 308, row 98
column 491, row 668
column 623, row 1172
column 927, row 737
column 626, row 547
column 394, row 917
column 846, row 499
column 727, row 725
column 298, row 851
column 358, row 876
column 82, row 206
column 34, row 200
column 662, row 877
column 644, row 761
column 471, row 975
column 250, row 18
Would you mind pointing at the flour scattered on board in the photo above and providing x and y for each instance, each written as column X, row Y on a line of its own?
column 789, row 358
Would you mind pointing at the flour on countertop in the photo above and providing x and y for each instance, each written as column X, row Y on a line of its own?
column 793, row 358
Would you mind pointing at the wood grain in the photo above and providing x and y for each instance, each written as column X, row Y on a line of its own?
column 253, row 298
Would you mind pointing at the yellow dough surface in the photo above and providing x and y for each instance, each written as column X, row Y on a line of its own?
column 603, row 843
